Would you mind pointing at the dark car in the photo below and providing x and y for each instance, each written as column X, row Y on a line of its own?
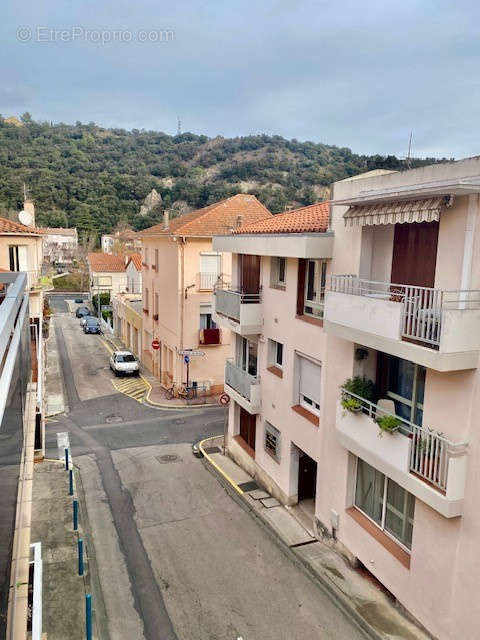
column 91, row 325
column 82, row 311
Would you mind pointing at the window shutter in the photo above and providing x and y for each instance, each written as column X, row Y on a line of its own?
column 310, row 379
column 301, row 286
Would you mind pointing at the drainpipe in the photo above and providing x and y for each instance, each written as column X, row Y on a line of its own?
column 466, row 278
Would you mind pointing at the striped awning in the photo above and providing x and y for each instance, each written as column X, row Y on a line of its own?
column 399, row 212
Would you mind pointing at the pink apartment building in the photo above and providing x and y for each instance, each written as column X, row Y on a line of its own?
column 391, row 290
column 180, row 271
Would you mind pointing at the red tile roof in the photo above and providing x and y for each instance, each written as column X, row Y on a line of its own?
column 106, row 262
column 59, row 231
column 311, row 219
column 136, row 258
column 216, row 219
column 9, row 226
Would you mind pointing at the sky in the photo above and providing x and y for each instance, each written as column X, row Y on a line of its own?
column 358, row 74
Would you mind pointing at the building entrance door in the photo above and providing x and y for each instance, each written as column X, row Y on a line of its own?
column 248, row 424
column 307, row 477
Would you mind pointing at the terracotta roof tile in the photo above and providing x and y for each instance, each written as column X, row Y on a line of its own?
column 59, row 231
column 218, row 218
column 311, row 219
column 106, row 262
column 9, row 226
column 136, row 258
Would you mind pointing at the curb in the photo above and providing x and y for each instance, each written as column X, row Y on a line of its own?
column 336, row 596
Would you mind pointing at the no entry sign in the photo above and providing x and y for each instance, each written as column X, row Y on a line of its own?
column 155, row 344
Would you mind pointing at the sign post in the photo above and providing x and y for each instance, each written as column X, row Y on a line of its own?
column 155, row 344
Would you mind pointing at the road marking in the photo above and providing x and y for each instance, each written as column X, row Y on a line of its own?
column 133, row 387
column 214, row 464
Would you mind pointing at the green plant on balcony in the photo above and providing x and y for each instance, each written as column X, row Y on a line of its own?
column 358, row 386
column 390, row 424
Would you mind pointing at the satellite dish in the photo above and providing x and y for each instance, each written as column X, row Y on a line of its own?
column 25, row 218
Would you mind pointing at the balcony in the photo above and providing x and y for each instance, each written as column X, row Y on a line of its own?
column 436, row 328
column 242, row 387
column 240, row 312
column 421, row 460
column 207, row 281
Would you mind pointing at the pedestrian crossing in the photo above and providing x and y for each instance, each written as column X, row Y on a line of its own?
column 134, row 387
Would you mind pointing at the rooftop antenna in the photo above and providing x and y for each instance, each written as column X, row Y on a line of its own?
column 407, row 159
column 179, row 126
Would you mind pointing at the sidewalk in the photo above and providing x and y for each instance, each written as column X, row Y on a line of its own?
column 53, row 375
column 156, row 395
column 360, row 598
column 52, row 525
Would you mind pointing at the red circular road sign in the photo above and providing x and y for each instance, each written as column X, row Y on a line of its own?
column 224, row 399
column 155, row 344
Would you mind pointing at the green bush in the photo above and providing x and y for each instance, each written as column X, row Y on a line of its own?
column 388, row 423
column 360, row 387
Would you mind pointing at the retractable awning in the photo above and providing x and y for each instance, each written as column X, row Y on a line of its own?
column 400, row 211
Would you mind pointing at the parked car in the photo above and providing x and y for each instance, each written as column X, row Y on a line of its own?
column 91, row 325
column 78, row 300
column 83, row 319
column 82, row 311
column 124, row 363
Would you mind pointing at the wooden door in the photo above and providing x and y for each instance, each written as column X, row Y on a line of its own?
column 307, row 477
column 250, row 274
column 248, row 427
column 415, row 254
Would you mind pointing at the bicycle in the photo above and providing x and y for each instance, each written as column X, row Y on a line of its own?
column 182, row 392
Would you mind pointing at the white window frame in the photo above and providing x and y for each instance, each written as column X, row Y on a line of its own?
column 317, row 302
column 275, row 272
column 300, row 398
column 270, row 430
column 381, row 526
column 273, row 353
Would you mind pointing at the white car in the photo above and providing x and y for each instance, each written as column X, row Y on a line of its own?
column 124, row 363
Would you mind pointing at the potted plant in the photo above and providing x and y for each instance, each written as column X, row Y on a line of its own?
column 360, row 387
column 387, row 423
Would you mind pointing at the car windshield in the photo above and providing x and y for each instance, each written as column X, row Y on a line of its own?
column 125, row 357
column 91, row 320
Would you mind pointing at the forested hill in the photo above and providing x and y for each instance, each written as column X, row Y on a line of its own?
column 87, row 176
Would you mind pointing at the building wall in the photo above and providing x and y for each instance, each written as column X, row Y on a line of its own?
column 177, row 283
column 34, row 250
column 118, row 282
column 134, row 279
column 444, row 562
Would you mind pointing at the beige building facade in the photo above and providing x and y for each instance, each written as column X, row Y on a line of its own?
column 384, row 464
column 180, row 272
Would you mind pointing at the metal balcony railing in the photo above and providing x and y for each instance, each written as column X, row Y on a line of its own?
column 208, row 281
column 240, row 380
column 430, row 451
column 422, row 306
column 228, row 301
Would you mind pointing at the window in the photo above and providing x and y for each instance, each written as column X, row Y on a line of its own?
column 147, row 298
column 385, row 502
column 103, row 281
column 315, row 279
column 275, row 356
column 247, row 356
column 309, row 380
column 210, row 269
column 155, row 304
column 18, row 257
column 156, row 258
column 145, row 256
column 206, row 321
column 278, row 267
column 272, row 441
column 404, row 383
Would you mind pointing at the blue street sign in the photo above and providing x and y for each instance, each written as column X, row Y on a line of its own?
column 186, row 359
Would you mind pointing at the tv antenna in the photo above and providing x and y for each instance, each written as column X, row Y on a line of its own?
column 179, row 126
column 407, row 159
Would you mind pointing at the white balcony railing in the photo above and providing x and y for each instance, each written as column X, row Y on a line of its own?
column 240, row 380
column 207, row 280
column 430, row 451
column 228, row 302
column 423, row 307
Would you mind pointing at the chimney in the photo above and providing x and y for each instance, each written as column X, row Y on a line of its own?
column 29, row 207
column 239, row 221
column 166, row 222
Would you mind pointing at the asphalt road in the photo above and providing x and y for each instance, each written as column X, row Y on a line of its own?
column 176, row 556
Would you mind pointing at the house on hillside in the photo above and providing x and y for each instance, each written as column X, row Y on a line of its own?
column 59, row 245
column 134, row 273
column 180, row 272
column 106, row 274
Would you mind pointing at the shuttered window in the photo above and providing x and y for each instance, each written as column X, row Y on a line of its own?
column 309, row 384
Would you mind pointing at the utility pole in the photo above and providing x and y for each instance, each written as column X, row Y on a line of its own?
column 407, row 160
column 179, row 126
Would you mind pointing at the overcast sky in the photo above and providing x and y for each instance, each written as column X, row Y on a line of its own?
column 353, row 73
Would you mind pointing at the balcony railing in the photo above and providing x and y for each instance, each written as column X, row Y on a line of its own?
column 229, row 301
column 240, row 380
column 208, row 281
column 422, row 306
column 430, row 451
